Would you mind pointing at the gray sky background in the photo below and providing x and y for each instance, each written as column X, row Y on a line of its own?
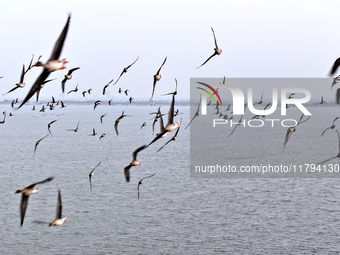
column 258, row 38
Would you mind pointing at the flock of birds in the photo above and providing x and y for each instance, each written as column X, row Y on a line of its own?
column 54, row 63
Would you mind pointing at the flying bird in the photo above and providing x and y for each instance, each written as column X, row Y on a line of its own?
column 106, row 86
column 172, row 93
column 143, row 125
column 4, row 119
column 42, row 86
column 134, row 162
column 171, row 125
column 58, row 218
column 91, row 174
column 93, row 132
column 292, row 129
column 37, row 143
column 73, row 90
column 96, row 103
column 238, row 124
column 216, row 49
column 174, row 138
column 21, row 83
column 76, row 129
column 141, row 182
column 335, row 80
column 101, row 117
column 26, row 192
column 119, row 119
column 331, row 127
column 52, row 65
column 125, row 70
column 157, row 77
column 197, row 113
column 337, row 156
column 67, row 76
column 49, row 126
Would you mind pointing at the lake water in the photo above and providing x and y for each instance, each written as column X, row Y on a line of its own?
column 176, row 214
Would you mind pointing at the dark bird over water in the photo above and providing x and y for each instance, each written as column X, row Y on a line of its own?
column 134, row 162
column 119, row 119
column 331, row 127
column 53, row 62
column 29, row 190
column 49, row 126
column 91, row 174
column 38, row 142
column 141, row 182
column 337, row 156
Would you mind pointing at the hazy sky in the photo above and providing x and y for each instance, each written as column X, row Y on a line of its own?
column 258, row 38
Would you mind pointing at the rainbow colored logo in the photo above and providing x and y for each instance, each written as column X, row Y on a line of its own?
column 211, row 95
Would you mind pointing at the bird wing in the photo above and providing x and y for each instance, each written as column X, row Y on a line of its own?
column 59, row 207
column 127, row 172
column 214, row 38
column 116, row 126
column 22, row 74
column 171, row 111
column 161, row 66
column 41, row 182
column 60, row 42
column 63, row 82
column 207, row 60
column 134, row 154
column 23, row 207
column 335, row 66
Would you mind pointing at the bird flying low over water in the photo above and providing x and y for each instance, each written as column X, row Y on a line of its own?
column 331, row 127
column 197, row 113
column 125, row 70
column 37, row 143
column 171, row 126
column 292, row 129
column 49, row 126
column 141, row 182
column 4, row 119
column 337, row 156
column 216, row 49
column 67, row 76
column 58, row 218
column 134, row 162
column 91, row 174
column 21, row 83
column 76, row 129
column 174, row 138
column 73, row 90
column 26, row 192
column 157, row 77
column 52, row 64
column 119, row 119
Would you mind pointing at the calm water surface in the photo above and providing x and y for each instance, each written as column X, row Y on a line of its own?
column 176, row 214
